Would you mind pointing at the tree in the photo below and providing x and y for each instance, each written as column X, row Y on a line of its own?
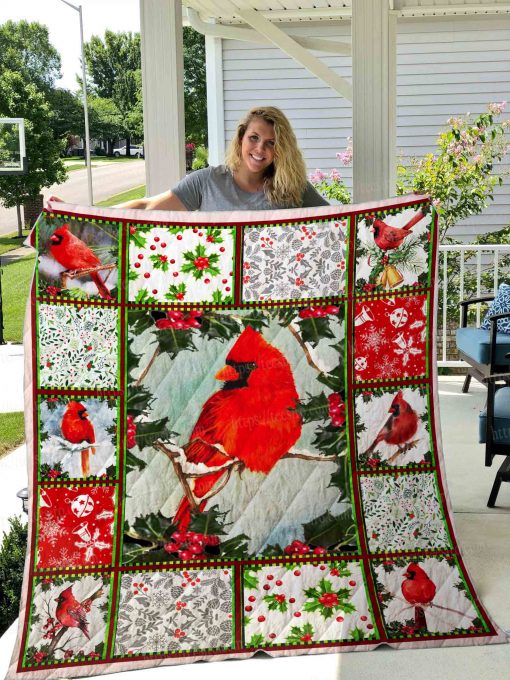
column 25, row 48
column 113, row 64
column 19, row 99
column 105, row 120
column 195, row 91
column 67, row 113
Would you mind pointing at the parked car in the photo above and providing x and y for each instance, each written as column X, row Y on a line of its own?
column 136, row 151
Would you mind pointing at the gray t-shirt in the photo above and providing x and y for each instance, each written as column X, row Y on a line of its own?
column 213, row 188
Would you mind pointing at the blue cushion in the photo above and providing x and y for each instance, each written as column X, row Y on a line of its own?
column 501, row 427
column 475, row 343
column 499, row 305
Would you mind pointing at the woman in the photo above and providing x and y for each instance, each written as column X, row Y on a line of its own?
column 264, row 169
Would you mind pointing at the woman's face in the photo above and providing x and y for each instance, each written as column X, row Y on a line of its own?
column 257, row 146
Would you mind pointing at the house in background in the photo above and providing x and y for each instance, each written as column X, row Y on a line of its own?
column 412, row 65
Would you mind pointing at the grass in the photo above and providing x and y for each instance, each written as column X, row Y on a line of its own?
column 12, row 431
column 11, row 241
column 137, row 192
column 16, row 279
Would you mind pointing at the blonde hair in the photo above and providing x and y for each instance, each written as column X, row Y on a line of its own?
column 285, row 179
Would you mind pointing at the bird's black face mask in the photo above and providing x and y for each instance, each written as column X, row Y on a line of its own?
column 244, row 369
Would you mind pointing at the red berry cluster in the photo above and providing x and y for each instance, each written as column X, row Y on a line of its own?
column 53, row 290
column 190, row 545
column 318, row 311
column 201, row 263
column 299, row 548
column 54, row 474
column 180, row 320
column 369, row 287
column 131, row 432
column 336, row 407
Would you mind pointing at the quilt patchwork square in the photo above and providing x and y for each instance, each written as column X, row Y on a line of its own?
column 78, row 347
column 392, row 427
column 78, row 437
column 298, row 604
column 257, row 396
column 75, row 526
column 424, row 597
column 68, row 621
column 181, row 264
column 78, row 258
column 393, row 249
column 390, row 337
column 295, row 261
column 403, row 512
column 172, row 611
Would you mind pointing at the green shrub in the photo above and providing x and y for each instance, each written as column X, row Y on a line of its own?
column 12, row 560
column 200, row 160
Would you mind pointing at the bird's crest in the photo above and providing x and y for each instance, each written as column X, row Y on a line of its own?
column 248, row 347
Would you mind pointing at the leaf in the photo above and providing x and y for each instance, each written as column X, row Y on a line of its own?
column 153, row 527
column 147, row 432
column 210, row 522
column 327, row 530
column 313, row 329
column 316, row 408
column 357, row 634
column 138, row 239
column 256, row 640
column 133, row 463
column 143, row 297
column 256, row 319
column 334, row 379
column 139, row 321
column 237, row 546
column 250, row 581
column 330, row 440
column 138, row 400
column 220, row 326
column 172, row 341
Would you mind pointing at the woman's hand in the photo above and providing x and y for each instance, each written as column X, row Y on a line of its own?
column 53, row 199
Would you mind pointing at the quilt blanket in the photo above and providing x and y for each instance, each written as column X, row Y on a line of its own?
column 234, row 440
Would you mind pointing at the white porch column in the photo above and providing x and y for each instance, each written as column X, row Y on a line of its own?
column 374, row 58
column 163, row 93
column 215, row 108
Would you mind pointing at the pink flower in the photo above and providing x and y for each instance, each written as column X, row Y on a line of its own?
column 334, row 175
column 317, row 176
column 496, row 108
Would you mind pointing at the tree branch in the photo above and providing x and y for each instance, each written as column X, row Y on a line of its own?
column 148, row 367
column 304, row 348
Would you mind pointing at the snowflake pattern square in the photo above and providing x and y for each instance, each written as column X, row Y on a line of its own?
column 392, row 427
column 295, row 261
column 78, row 347
column 75, row 526
column 172, row 611
column 393, row 249
column 403, row 512
column 68, row 622
column 298, row 604
column 78, row 437
column 181, row 264
column 78, row 258
column 423, row 596
column 390, row 338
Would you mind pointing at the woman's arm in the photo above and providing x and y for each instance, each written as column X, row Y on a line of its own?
column 165, row 201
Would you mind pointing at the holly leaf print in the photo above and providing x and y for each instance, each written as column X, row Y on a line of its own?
column 218, row 298
column 326, row 601
column 276, row 602
column 316, row 408
column 256, row 640
column 160, row 262
column 176, row 292
column 299, row 635
column 137, row 238
column 357, row 634
column 198, row 262
column 250, row 580
column 144, row 297
column 256, row 319
column 213, row 235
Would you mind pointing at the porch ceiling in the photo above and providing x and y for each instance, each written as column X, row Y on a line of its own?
column 291, row 11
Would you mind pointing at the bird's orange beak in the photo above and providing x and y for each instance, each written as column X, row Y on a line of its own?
column 53, row 238
column 227, row 373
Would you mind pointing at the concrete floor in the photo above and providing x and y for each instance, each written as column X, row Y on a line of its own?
column 482, row 534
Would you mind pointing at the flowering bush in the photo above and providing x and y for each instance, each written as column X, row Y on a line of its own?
column 332, row 186
column 460, row 176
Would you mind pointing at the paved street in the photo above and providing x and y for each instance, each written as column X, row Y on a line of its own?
column 107, row 180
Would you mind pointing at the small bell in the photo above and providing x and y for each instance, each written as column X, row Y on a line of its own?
column 393, row 277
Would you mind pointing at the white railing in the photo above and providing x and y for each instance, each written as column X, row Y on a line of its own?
column 491, row 256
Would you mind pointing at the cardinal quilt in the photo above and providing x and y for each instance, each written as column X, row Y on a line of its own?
column 234, row 440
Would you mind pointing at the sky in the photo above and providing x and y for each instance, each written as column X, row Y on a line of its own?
column 64, row 25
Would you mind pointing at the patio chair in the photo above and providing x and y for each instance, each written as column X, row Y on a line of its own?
column 494, row 423
column 486, row 351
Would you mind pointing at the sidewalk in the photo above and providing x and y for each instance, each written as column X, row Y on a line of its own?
column 11, row 370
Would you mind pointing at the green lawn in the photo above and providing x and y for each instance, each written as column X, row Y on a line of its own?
column 16, row 279
column 11, row 241
column 137, row 192
column 12, row 432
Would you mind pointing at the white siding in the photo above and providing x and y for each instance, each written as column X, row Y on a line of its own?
column 444, row 67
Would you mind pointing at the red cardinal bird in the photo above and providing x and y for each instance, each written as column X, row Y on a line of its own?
column 389, row 238
column 73, row 254
column 77, row 428
column 417, row 588
column 400, row 427
column 70, row 613
column 251, row 417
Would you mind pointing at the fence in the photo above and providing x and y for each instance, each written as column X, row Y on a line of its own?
column 465, row 271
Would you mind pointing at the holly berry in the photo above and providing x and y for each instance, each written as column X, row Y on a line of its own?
column 329, row 600
column 201, row 263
